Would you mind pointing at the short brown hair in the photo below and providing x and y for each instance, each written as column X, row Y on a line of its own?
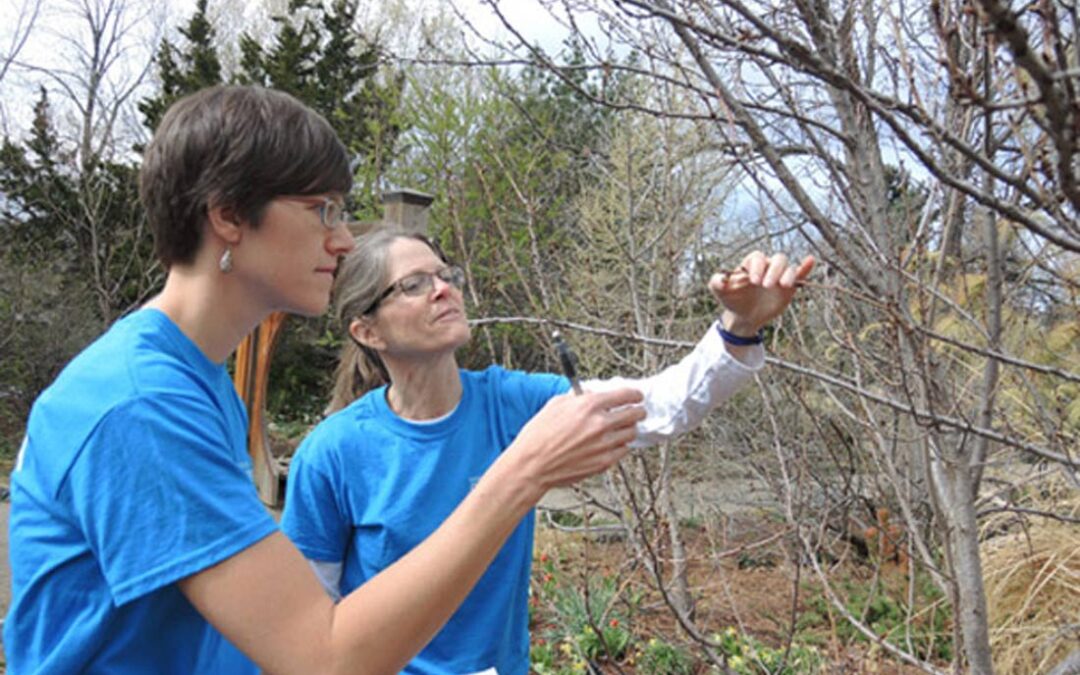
column 238, row 147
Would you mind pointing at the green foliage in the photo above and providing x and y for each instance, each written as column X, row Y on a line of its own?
column 74, row 255
column 505, row 153
column 320, row 56
column 542, row 658
column 884, row 610
column 301, row 373
column 566, row 518
column 609, row 643
column 80, row 214
column 185, row 69
column 36, row 179
column 577, row 612
column 589, row 624
column 74, row 244
column 662, row 658
column 747, row 656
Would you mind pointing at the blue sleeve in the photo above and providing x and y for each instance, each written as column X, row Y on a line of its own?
column 314, row 517
column 160, row 493
column 524, row 394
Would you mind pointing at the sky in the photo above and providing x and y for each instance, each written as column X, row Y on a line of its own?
column 48, row 52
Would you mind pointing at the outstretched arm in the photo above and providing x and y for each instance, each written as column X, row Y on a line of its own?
column 267, row 601
column 679, row 397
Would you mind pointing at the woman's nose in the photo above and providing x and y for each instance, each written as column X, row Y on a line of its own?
column 341, row 240
column 439, row 287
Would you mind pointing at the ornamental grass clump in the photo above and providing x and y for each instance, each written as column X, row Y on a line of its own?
column 1033, row 588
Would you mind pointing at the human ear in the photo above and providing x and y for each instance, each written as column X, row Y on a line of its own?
column 225, row 222
column 365, row 331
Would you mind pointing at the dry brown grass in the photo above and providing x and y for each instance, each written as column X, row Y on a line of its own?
column 1033, row 588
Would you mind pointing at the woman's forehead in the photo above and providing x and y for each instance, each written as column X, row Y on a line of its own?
column 409, row 255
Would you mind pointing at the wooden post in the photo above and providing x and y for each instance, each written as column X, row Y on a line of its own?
column 408, row 209
column 250, row 377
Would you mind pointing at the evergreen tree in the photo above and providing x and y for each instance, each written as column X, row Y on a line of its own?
column 186, row 70
column 324, row 60
column 35, row 188
column 73, row 257
column 318, row 54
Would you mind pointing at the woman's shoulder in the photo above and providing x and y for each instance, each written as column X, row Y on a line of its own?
column 353, row 420
column 513, row 384
column 496, row 374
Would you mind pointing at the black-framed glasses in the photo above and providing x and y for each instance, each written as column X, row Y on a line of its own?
column 421, row 283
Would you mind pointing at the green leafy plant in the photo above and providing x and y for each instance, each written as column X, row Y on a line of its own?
column 589, row 625
column 886, row 612
column 662, row 658
column 747, row 656
column 611, row 642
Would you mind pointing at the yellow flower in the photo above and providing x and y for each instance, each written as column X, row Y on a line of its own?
column 736, row 662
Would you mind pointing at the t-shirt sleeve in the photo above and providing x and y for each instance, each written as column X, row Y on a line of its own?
column 161, row 493
column 314, row 518
column 524, row 394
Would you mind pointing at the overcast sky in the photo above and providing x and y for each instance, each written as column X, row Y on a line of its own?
column 48, row 54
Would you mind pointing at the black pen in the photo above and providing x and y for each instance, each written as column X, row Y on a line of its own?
column 568, row 360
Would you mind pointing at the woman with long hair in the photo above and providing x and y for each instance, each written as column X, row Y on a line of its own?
column 413, row 432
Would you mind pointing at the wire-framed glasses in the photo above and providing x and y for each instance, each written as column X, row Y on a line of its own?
column 420, row 283
column 331, row 211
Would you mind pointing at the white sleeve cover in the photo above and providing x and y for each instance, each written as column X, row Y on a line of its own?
column 679, row 397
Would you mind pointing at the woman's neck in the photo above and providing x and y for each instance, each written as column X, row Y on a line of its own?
column 423, row 389
column 207, row 310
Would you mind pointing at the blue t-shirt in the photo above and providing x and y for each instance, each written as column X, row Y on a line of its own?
column 366, row 486
column 133, row 475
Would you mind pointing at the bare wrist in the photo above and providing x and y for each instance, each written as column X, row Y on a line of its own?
column 736, row 325
column 510, row 487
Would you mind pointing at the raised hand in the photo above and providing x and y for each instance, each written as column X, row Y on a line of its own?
column 758, row 291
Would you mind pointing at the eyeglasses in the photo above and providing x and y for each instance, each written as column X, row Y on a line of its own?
column 420, row 283
column 331, row 212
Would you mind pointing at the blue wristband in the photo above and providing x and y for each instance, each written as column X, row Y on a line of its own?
column 739, row 340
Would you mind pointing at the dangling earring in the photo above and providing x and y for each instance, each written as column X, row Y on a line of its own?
column 225, row 264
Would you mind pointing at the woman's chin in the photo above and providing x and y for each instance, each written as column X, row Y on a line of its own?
column 463, row 335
